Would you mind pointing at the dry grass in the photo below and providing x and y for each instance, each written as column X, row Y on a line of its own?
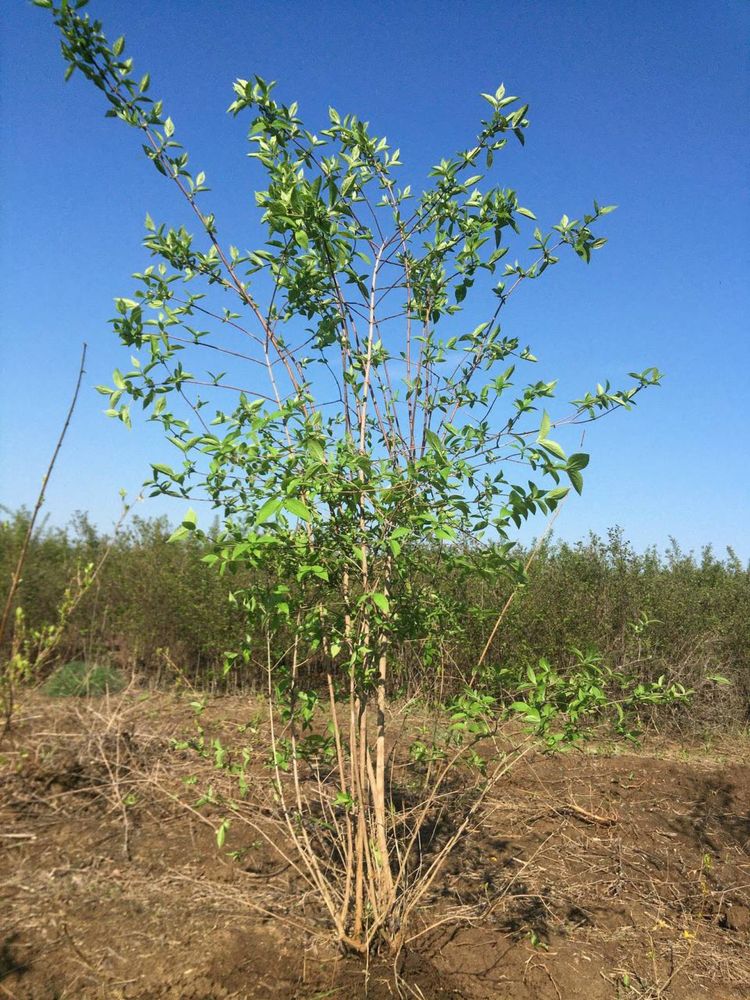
column 626, row 874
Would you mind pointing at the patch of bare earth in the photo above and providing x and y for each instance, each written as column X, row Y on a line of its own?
column 613, row 874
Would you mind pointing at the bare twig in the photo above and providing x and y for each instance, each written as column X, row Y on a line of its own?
column 18, row 571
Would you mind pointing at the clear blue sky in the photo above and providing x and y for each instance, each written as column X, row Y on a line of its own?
column 642, row 104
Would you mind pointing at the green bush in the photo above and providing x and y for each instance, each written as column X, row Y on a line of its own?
column 157, row 607
column 80, row 680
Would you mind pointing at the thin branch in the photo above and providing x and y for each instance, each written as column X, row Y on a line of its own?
column 17, row 572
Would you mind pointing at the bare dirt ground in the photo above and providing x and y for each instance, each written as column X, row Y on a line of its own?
column 610, row 873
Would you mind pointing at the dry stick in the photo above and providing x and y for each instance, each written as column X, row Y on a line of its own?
column 325, row 889
column 274, row 843
column 356, row 787
column 304, row 848
column 371, row 866
column 377, row 896
column 114, row 774
column 427, row 877
column 573, row 810
column 504, row 611
column 16, row 578
column 342, row 778
column 379, row 785
column 213, row 887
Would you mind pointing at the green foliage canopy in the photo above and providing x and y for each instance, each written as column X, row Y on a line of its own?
column 357, row 290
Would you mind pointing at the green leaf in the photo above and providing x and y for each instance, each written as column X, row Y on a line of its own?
column 434, row 441
column 166, row 470
column 553, row 447
column 579, row 460
column 544, row 427
column 319, row 571
column 268, row 509
column 445, row 533
column 530, row 713
column 317, row 451
column 180, row 532
column 526, row 212
column 221, row 833
column 298, row 509
column 381, row 601
column 576, row 479
column 520, row 706
column 169, row 128
column 118, row 45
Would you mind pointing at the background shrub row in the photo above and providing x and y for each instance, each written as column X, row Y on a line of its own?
column 163, row 616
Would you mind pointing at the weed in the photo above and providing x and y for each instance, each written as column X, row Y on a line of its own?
column 81, row 680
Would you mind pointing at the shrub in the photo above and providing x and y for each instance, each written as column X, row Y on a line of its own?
column 82, row 680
